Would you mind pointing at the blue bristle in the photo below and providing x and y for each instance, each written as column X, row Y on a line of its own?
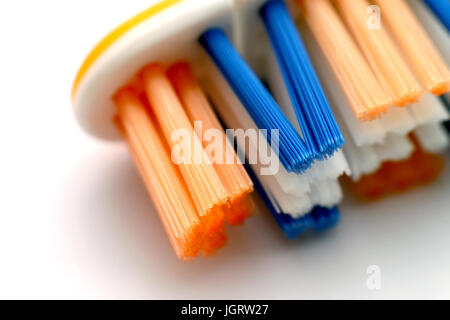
column 319, row 219
column 319, row 128
column 257, row 100
column 441, row 9
column 324, row 218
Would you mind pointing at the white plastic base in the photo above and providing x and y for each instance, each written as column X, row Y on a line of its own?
column 168, row 36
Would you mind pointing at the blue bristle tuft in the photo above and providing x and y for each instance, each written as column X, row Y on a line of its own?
column 441, row 9
column 293, row 152
column 324, row 218
column 319, row 219
column 319, row 127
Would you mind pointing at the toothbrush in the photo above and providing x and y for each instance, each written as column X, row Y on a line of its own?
column 289, row 92
column 134, row 86
column 124, row 84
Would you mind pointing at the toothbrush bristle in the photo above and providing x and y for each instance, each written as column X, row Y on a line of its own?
column 203, row 183
column 398, row 176
column 318, row 126
column 420, row 51
column 318, row 219
column 381, row 52
column 294, row 154
column 233, row 176
column 304, row 96
column 367, row 97
column 162, row 179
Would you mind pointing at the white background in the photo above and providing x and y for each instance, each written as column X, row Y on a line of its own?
column 75, row 220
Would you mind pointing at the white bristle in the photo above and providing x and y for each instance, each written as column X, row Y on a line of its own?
column 362, row 160
column 395, row 147
column 397, row 120
column 294, row 205
column 340, row 163
column 428, row 109
column 432, row 137
column 330, row 169
column 326, row 193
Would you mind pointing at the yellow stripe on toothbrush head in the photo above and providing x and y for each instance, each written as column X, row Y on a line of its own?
column 114, row 35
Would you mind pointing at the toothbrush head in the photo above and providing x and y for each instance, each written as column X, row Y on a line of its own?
column 165, row 32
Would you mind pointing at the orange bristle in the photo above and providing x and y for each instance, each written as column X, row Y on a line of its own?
column 381, row 53
column 162, row 179
column 204, row 185
column 420, row 51
column 232, row 174
column 367, row 97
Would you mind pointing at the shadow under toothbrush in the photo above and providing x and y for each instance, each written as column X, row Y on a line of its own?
column 123, row 244
column 121, row 230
